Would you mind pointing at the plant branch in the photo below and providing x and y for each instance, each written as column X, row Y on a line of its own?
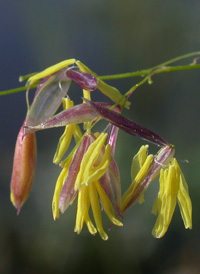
column 11, row 91
column 149, row 72
column 163, row 68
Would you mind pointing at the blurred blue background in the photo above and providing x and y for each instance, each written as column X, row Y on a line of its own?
column 110, row 37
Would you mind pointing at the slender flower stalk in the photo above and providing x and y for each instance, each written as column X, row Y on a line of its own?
column 165, row 68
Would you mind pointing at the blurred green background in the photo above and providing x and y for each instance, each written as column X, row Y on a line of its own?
column 110, row 37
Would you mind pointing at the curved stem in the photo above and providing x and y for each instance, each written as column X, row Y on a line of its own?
column 176, row 59
column 148, row 71
column 160, row 70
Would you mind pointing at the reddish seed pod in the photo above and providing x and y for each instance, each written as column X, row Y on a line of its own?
column 23, row 168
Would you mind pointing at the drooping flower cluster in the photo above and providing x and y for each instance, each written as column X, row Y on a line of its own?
column 90, row 171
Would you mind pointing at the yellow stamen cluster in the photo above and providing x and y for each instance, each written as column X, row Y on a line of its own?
column 173, row 188
column 90, row 170
column 89, row 195
column 93, row 165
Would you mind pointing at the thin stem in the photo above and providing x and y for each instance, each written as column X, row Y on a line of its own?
column 160, row 70
column 133, row 88
column 177, row 68
column 176, row 59
column 148, row 71
column 150, row 74
column 10, row 91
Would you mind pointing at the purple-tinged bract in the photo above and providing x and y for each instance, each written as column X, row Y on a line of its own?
column 127, row 125
column 84, row 80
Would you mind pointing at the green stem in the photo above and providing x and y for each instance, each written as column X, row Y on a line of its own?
column 160, row 70
column 176, row 59
column 133, row 88
column 10, row 91
column 149, row 70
